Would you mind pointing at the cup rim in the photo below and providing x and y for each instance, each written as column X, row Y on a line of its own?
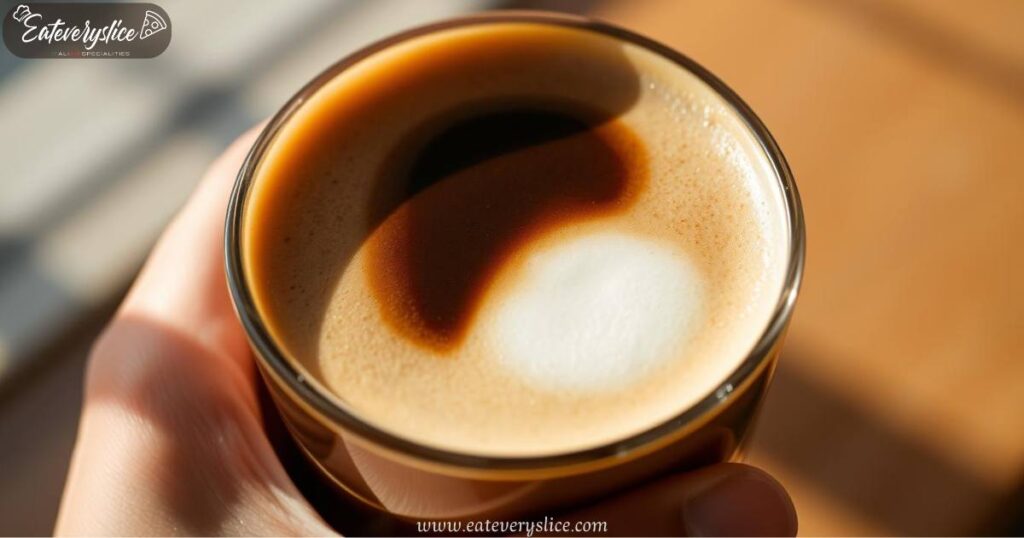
column 312, row 395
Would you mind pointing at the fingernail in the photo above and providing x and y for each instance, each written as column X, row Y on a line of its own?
column 747, row 502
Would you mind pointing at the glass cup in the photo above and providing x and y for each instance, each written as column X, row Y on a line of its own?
column 415, row 481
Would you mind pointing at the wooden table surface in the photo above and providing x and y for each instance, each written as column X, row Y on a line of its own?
column 899, row 405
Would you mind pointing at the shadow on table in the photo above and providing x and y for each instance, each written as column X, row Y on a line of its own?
column 862, row 463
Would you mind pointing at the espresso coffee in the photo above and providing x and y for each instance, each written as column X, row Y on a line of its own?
column 515, row 239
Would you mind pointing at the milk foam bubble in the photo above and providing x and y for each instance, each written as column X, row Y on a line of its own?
column 597, row 312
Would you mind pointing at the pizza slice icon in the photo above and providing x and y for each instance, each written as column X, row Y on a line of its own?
column 152, row 24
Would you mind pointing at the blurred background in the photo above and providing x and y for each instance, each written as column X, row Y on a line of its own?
column 899, row 403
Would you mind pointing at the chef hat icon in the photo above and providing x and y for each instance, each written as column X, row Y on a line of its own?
column 21, row 12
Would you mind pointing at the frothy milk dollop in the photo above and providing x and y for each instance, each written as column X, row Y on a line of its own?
column 595, row 312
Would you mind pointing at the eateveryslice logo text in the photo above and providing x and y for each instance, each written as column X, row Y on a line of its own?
column 87, row 30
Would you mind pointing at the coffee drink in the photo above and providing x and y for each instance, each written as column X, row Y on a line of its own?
column 515, row 239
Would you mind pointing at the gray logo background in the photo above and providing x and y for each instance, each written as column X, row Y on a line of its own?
column 150, row 23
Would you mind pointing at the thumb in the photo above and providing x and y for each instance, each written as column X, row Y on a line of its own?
column 182, row 283
column 727, row 499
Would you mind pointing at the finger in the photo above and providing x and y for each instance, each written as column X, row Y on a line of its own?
column 727, row 499
column 182, row 283
column 170, row 439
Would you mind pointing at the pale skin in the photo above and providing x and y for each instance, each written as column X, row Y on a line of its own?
column 171, row 441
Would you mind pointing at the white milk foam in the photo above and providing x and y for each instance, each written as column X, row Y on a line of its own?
column 597, row 312
column 595, row 332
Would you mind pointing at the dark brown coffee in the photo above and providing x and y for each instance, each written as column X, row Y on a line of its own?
column 484, row 187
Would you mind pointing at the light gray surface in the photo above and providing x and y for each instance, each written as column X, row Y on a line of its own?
column 97, row 155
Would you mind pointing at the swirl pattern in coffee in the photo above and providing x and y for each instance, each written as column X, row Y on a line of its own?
column 515, row 239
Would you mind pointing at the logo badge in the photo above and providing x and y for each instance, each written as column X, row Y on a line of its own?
column 86, row 30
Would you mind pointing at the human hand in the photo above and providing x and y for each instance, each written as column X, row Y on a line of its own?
column 171, row 440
